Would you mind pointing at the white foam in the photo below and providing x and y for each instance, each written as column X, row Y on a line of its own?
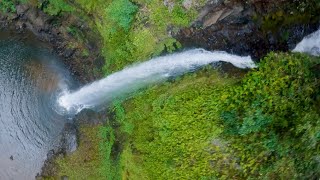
column 310, row 44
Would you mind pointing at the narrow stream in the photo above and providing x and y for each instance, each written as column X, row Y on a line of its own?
column 30, row 79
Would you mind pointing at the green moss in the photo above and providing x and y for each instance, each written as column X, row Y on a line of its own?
column 93, row 159
column 172, row 135
column 138, row 30
column 209, row 126
column 85, row 53
column 7, row 6
column 55, row 7
column 263, row 117
column 121, row 14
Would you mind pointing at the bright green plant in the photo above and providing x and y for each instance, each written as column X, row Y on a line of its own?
column 55, row 7
column 265, row 113
column 93, row 6
column 206, row 126
column 7, row 6
column 121, row 14
column 173, row 130
column 94, row 158
column 136, row 30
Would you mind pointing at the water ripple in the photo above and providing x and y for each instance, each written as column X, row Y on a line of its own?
column 29, row 127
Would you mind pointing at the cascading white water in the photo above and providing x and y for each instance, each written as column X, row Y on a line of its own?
column 143, row 74
column 310, row 44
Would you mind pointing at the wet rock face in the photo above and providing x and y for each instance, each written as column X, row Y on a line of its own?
column 230, row 26
column 89, row 117
column 69, row 139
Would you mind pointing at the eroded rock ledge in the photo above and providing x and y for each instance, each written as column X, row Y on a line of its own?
column 249, row 27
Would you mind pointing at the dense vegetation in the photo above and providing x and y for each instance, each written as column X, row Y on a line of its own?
column 127, row 41
column 131, row 30
column 272, row 118
column 209, row 125
column 205, row 125
column 92, row 159
column 293, row 12
column 136, row 30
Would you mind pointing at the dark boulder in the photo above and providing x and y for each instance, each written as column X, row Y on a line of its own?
column 238, row 27
column 68, row 143
column 89, row 117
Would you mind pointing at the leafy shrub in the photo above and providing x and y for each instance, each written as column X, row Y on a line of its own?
column 135, row 30
column 7, row 6
column 173, row 129
column 121, row 13
column 92, row 6
column 283, row 86
column 55, row 7
column 93, row 159
column 207, row 126
column 265, row 113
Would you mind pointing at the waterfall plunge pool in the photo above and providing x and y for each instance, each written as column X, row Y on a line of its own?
column 30, row 80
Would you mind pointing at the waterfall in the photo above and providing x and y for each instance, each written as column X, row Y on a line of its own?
column 140, row 75
column 310, row 44
column 159, row 69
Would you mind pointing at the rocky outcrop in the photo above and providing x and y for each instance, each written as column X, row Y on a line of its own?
column 89, row 117
column 239, row 27
column 68, row 144
column 69, row 36
column 69, row 140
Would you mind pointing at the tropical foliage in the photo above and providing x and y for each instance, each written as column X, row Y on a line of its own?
column 93, row 158
column 206, row 125
column 7, row 6
column 130, row 31
column 137, row 30
column 55, row 7
column 273, row 116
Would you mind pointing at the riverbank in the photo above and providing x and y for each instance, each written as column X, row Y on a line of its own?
column 81, row 54
column 79, row 51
